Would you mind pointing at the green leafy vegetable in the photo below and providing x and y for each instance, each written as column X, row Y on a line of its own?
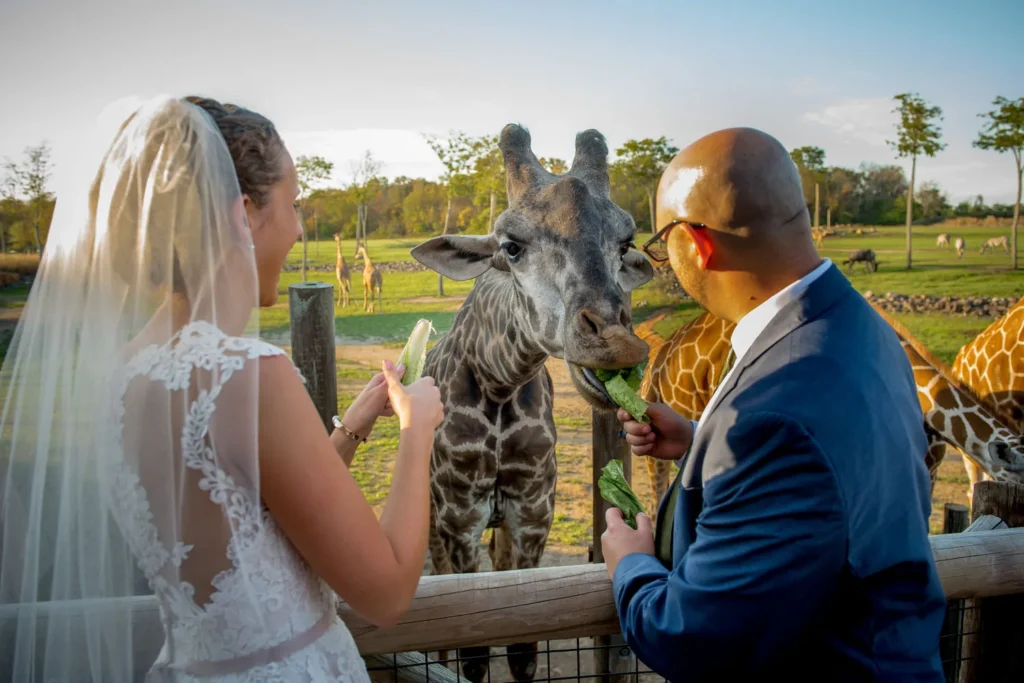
column 615, row 489
column 415, row 352
column 622, row 386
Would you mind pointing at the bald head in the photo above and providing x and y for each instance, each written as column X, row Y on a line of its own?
column 743, row 187
column 738, row 180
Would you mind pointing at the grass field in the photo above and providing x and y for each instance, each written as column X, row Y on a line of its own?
column 365, row 339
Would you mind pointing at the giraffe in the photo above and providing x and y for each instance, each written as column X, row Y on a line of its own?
column 995, row 243
column 993, row 365
column 341, row 272
column 819, row 237
column 687, row 368
column 551, row 280
column 372, row 281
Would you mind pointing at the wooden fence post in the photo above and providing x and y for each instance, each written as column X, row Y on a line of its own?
column 311, row 309
column 993, row 644
column 955, row 520
column 613, row 659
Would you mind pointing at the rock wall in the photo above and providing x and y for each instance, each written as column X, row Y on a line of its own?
column 981, row 306
column 357, row 267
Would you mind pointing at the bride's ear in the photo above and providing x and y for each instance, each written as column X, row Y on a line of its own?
column 245, row 209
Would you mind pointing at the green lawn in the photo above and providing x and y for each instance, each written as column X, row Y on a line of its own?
column 936, row 271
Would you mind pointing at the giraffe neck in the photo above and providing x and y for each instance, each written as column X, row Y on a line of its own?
column 954, row 413
column 493, row 336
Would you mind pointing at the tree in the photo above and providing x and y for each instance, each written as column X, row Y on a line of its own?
column 456, row 154
column 844, row 185
column 643, row 161
column 933, row 200
column 9, row 194
column 1004, row 132
column 310, row 170
column 810, row 162
column 30, row 180
column 364, row 176
column 489, row 172
column 554, row 165
column 916, row 134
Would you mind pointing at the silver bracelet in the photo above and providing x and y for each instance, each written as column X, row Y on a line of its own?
column 348, row 432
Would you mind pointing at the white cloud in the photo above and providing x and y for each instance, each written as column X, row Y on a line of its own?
column 869, row 120
column 401, row 151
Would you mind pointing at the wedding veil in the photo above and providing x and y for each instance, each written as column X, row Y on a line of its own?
column 93, row 480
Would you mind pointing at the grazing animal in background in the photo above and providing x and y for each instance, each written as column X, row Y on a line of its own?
column 552, row 280
column 342, row 272
column 942, row 240
column 372, row 281
column 995, row 243
column 865, row 256
column 960, row 246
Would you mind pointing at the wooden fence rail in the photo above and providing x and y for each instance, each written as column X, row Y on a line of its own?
column 497, row 608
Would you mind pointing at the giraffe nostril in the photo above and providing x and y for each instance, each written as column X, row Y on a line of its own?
column 590, row 322
column 624, row 318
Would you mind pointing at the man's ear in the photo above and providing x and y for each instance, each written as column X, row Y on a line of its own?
column 702, row 243
column 457, row 257
column 636, row 271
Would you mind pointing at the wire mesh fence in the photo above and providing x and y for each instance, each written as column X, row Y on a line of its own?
column 609, row 659
column 579, row 659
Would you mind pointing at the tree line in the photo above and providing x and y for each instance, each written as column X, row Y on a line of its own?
column 470, row 192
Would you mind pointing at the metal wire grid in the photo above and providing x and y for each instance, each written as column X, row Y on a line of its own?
column 577, row 660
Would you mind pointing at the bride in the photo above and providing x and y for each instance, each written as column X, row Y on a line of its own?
column 151, row 444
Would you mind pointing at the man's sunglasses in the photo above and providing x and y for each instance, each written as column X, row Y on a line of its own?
column 657, row 247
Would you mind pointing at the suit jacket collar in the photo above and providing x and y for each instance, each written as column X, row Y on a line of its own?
column 809, row 304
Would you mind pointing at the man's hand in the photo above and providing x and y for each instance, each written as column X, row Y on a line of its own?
column 619, row 539
column 667, row 437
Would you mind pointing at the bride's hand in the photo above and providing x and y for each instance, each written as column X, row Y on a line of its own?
column 371, row 403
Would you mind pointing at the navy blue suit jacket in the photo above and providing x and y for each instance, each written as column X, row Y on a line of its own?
column 800, row 539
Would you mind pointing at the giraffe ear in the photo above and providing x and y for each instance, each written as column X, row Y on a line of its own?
column 458, row 257
column 636, row 271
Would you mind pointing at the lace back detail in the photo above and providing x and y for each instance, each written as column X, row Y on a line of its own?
column 278, row 599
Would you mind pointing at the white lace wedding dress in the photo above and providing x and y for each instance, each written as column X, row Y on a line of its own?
column 294, row 635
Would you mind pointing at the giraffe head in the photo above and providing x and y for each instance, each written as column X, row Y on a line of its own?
column 568, row 252
column 1006, row 455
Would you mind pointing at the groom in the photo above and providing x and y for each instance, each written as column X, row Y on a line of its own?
column 795, row 539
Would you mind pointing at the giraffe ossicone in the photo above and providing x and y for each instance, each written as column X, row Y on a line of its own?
column 552, row 280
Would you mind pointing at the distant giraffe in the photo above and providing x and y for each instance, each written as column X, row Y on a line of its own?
column 819, row 237
column 993, row 366
column 685, row 370
column 995, row 243
column 372, row 281
column 343, row 274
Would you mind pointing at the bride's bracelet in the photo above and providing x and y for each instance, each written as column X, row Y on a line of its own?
column 348, row 432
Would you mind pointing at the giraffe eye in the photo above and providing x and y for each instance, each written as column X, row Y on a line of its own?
column 512, row 251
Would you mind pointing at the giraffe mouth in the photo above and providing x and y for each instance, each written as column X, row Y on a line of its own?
column 590, row 387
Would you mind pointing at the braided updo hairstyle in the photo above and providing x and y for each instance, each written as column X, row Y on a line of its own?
column 254, row 143
column 145, row 249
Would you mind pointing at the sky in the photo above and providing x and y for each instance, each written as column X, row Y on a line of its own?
column 339, row 77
